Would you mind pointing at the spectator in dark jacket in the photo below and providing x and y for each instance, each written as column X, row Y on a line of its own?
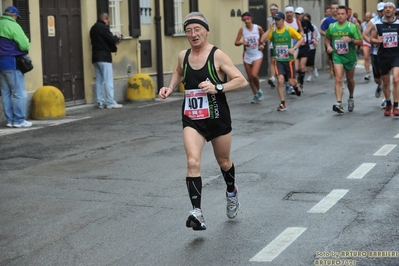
column 103, row 44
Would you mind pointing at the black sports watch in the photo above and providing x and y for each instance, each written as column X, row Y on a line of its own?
column 219, row 88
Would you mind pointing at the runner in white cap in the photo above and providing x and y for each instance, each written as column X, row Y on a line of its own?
column 386, row 35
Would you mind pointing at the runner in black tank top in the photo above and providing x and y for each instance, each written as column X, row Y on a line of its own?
column 219, row 121
column 386, row 36
column 204, row 69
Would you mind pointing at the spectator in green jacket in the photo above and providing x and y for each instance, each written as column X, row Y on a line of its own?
column 13, row 42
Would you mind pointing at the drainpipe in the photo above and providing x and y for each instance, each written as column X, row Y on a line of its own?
column 158, row 44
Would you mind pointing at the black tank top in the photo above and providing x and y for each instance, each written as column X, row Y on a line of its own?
column 390, row 31
column 219, row 119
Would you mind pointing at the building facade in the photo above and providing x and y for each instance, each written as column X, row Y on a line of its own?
column 153, row 36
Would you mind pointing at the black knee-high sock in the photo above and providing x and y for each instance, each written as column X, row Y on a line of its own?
column 301, row 77
column 229, row 178
column 194, row 187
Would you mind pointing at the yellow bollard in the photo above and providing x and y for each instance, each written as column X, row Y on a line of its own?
column 48, row 102
column 181, row 87
column 140, row 87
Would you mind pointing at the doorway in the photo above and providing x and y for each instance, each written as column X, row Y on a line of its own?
column 62, row 55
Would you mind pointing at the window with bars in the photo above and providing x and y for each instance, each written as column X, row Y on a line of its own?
column 115, row 24
column 145, row 11
column 113, row 8
column 179, row 29
column 174, row 15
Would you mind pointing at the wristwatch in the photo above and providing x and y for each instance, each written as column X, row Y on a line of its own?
column 219, row 88
column 352, row 40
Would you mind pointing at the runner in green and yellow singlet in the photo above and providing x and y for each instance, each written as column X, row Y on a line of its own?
column 282, row 37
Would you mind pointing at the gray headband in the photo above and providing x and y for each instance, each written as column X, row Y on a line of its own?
column 198, row 21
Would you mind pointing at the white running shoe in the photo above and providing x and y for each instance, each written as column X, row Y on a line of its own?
column 383, row 104
column 233, row 206
column 23, row 124
column 196, row 220
column 114, row 106
column 315, row 73
column 309, row 79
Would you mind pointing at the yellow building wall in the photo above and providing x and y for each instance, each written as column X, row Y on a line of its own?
column 357, row 7
column 223, row 31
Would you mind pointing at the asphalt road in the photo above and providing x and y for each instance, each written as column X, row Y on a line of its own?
column 107, row 187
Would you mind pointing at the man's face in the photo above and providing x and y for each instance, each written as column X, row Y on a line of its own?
column 289, row 15
column 389, row 11
column 299, row 16
column 367, row 17
column 334, row 10
column 196, row 34
column 273, row 11
column 327, row 12
column 341, row 15
column 106, row 20
column 279, row 23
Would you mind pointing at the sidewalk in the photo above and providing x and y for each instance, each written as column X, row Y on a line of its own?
column 81, row 112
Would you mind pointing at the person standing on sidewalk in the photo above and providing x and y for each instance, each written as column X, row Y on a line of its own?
column 13, row 42
column 282, row 37
column 103, row 44
column 386, row 36
column 204, row 70
column 343, row 36
column 249, row 36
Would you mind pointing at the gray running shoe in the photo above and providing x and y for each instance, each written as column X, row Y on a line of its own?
column 378, row 91
column 255, row 99
column 337, row 107
column 196, row 220
column 351, row 104
column 233, row 206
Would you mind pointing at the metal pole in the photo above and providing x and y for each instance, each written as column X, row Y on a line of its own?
column 158, row 36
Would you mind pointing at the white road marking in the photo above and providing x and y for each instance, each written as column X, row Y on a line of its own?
column 37, row 124
column 279, row 244
column 397, row 136
column 325, row 204
column 385, row 150
column 361, row 171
